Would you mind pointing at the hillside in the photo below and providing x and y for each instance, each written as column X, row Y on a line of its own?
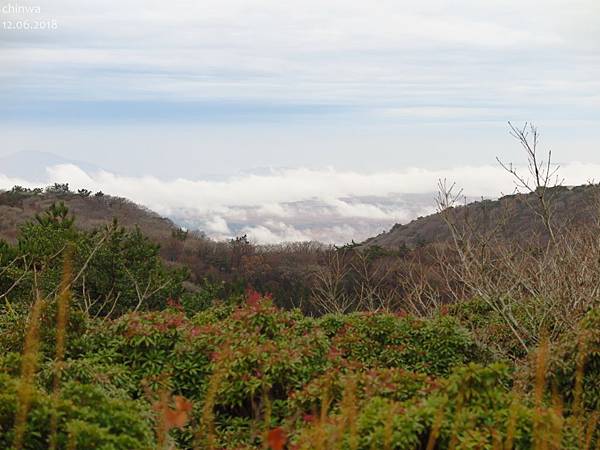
column 91, row 212
column 511, row 216
column 217, row 266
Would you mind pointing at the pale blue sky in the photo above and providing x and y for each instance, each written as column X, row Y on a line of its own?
column 231, row 85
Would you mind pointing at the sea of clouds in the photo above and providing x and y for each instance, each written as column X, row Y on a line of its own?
column 282, row 205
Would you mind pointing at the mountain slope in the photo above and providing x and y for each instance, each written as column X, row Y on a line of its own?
column 90, row 212
column 511, row 216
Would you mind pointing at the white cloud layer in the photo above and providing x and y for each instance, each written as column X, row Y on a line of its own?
column 298, row 204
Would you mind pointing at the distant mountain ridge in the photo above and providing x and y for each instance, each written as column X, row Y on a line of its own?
column 572, row 205
column 511, row 215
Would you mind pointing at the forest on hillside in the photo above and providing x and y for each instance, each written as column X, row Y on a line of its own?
column 111, row 338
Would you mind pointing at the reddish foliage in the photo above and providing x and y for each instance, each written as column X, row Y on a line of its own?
column 401, row 313
column 204, row 329
column 178, row 416
column 162, row 327
column 176, row 322
column 277, row 438
column 173, row 303
column 253, row 297
column 308, row 418
column 334, row 353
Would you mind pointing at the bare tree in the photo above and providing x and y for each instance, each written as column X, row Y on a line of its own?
column 536, row 287
column 418, row 295
column 329, row 293
column 477, row 267
column 542, row 174
column 374, row 283
column 145, row 290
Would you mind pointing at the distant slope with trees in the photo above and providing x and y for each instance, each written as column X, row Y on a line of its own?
column 91, row 209
column 511, row 216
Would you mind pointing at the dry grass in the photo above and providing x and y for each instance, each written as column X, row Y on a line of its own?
column 62, row 320
column 349, row 413
column 205, row 437
column 28, row 368
column 267, row 413
column 435, row 428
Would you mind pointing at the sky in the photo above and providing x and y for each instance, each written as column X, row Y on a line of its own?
column 189, row 93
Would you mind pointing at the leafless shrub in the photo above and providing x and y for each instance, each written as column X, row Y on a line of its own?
column 542, row 174
column 418, row 295
column 541, row 286
column 372, row 290
column 329, row 293
column 146, row 288
column 354, row 280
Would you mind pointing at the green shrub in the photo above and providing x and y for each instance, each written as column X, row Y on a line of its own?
column 204, row 299
column 577, row 355
column 88, row 418
column 121, row 270
column 13, row 325
column 385, row 340
column 362, row 380
column 474, row 407
column 490, row 328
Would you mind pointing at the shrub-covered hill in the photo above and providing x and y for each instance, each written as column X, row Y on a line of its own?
column 243, row 374
column 510, row 217
column 284, row 270
column 20, row 205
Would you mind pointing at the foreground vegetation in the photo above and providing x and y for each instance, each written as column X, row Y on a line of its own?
column 482, row 343
column 139, row 369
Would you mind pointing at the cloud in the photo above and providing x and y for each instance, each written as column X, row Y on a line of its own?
column 298, row 204
column 274, row 232
column 400, row 55
column 280, row 186
column 217, row 226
